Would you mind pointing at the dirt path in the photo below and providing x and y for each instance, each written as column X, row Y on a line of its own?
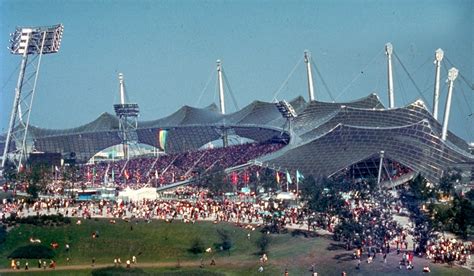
column 219, row 263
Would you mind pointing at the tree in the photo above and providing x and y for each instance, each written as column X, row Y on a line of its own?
column 197, row 246
column 268, row 180
column 263, row 242
column 322, row 195
column 10, row 172
column 215, row 181
column 463, row 219
column 36, row 176
column 419, row 188
column 449, row 179
column 226, row 241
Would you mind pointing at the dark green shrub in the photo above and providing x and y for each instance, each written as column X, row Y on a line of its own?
column 263, row 242
column 33, row 251
column 197, row 246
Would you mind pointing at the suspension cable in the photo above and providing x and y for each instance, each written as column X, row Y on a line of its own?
column 287, row 79
column 205, row 87
column 322, row 80
column 232, row 96
column 410, row 77
column 358, row 75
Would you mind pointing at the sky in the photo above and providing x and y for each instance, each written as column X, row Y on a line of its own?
column 167, row 51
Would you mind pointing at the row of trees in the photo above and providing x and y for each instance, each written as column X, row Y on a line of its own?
column 448, row 209
column 37, row 176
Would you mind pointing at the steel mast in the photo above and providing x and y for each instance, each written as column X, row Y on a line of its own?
column 26, row 41
column 452, row 75
column 439, row 54
column 388, row 52
column 307, row 60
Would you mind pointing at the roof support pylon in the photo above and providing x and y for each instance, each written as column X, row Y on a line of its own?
column 452, row 75
column 438, row 57
column 307, row 60
column 388, row 52
column 379, row 177
column 221, row 86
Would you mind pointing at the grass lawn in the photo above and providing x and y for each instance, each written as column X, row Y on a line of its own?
column 159, row 245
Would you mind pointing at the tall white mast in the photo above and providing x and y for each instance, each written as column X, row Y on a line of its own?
column 221, row 86
column 307, row 60
column 388, row 52
column 379, row 177
column 452, row 75
column 122, row 89
column 438, row 57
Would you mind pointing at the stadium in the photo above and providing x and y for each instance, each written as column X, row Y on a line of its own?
column 372, row 181
column 317, row 138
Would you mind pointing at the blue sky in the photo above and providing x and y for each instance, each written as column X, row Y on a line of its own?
column 167, row 52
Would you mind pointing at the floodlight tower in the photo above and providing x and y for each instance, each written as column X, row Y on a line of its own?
column 388, row 52
column 225, row 141
column 307, row 60
column 287, row 111
column 439, row 54
column 452, row 75
column 27, row 41
column 127, row 114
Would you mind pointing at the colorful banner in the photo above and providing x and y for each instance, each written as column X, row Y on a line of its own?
column 162, row 134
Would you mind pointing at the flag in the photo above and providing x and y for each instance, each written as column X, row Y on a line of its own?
column 93, row 175
column 246, row 177
column 278, row 177
column 113, row 175
column 125, row 173
column 162, row 134
column 288, row 178
column 299, row 176
column 234, row 178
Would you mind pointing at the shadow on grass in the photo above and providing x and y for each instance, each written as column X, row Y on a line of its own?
column 344, row 257
column 118, row 271
column 168, row 272
column 336, row 246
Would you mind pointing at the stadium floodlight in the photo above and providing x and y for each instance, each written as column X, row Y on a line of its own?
column 286, row 110
column 26, row 41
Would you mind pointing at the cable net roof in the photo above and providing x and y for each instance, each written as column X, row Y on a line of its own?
column 324, row 138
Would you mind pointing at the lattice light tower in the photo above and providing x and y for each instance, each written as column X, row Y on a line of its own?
column 127, row 114
column 28, row 42
column 288, row 112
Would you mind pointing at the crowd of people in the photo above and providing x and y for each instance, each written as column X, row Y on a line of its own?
column 376, row 229
column 449, row 250
column 171, row 168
